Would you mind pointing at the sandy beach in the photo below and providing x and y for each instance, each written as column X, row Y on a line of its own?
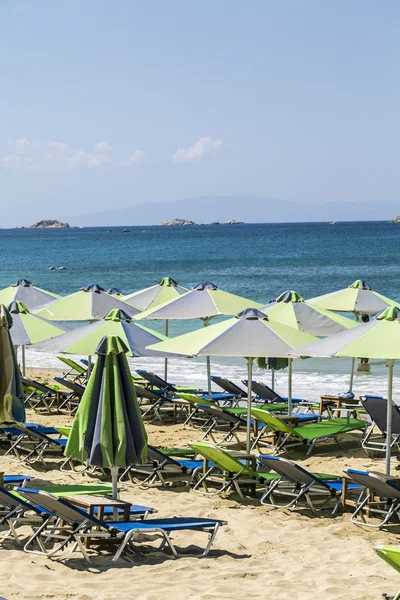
column 260, row 553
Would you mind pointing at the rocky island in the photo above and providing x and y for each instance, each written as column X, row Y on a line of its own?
column 396, row 219
column 232, row 222
column 48, row 224
column 176, row 222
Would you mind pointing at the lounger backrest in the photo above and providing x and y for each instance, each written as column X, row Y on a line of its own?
column 143, row 392
column 196, row 400
column 376, row 407
column 61, row 508
column 273, row 422
column 75, row 387
column 291, row 471
column 222, row 459
column 390, row 554
column 220, row 413
column 227, row 385
column 373, row 482
column 155, row 380
column 34, row 433
column 38, row 386
column 263, row 391
column 73, row 365
column 7, row 498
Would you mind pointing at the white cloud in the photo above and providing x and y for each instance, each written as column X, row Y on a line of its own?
column 45, row 155
column 202, row 147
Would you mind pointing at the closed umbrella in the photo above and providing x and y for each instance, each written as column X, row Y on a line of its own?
column 204, row 302
column 380, row 338
column 164, row 291
column 291, row 309
column 108, row 429
column 84, row 340
column 250, row 334
column 12, row 407
column 24, row 291
column 113, row 291
column 29, row 329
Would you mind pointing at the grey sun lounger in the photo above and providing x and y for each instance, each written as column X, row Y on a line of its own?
column 71, row 403
column 32, row 444
column 228, row 386
column 383, row 487
column 376, row 407
column 39, row 395
column 298, row 484
column 265, row 394
column 162, row 386
column 83, row 526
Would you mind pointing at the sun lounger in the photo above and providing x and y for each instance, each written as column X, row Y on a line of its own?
column 87, row 527
column 71, row 403
column 76, row 372
column 167, row 388
column 299, row 484
column 31, row 444
column 265, row 394
column 308, row 434
column 158, row 404
column 382, row 499
column 391, row 555
column 39, row 395
column 376, row 407
column 228, row 386
column 161, row 467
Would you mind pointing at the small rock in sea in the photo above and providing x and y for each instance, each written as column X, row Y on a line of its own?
column 62, row 268
column 52, row 268
column 125, row 230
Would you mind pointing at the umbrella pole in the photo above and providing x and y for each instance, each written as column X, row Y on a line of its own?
column 209, row 377
column 390, row 364
column 114, row 479
column 290, row 365
column 89, row 367
column 166, row 360
column 272, row 378
column 353, row 362
column 249, row 394
column 23, row 359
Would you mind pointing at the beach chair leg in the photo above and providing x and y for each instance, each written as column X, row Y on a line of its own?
column 359, row 510
column 213, row 533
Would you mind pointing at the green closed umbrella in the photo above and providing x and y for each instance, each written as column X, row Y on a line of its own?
column 12, row 407
column 250, row 334
column 164, row 291
column 380, row 338
column 24, row 291
column 29, row 329
column 108, row 429
column 204, row 302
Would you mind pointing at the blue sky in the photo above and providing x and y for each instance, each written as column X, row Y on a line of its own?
column 109, row 104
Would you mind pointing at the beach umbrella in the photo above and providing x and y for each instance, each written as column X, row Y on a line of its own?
column 108, row 429
column 291, row 309
column 23, row 291
column 29, row 329
column 204, row 302
column 164, row 291
column 85, row 340
column 359, row 298
column 12, row 407
column 249, row 334
column 380, row 338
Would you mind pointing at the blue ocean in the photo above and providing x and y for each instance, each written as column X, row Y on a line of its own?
column 258, row 261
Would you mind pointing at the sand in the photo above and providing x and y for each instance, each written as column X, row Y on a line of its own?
column 261, row 553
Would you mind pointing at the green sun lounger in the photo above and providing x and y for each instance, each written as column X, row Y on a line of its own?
column 308, row 434
column 391, row 555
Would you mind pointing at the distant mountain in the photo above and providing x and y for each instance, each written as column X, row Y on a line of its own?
column 247, row 208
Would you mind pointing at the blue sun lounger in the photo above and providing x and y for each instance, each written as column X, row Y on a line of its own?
column 87, row 527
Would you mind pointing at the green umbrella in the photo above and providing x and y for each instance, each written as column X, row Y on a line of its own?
column 250, row 334
column 380, row 338
column 291, row 309
column 29, row 329
column 108, row 429
column 165, row 291
column 84, row 340
column 23, row 291
column 359, row 298
column 12, row 407
column 204, row 302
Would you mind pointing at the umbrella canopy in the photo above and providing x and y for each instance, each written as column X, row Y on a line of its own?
column 108, row 429
column 113, row 291
column 380, row 338
column 250, row 334
column 358, row 298
column 289, row 308
column 12, row 406
column 90, row 303
column 30, row 329
column 23, row 291
column 204, row 301
column 85, row 340
column 165, row 291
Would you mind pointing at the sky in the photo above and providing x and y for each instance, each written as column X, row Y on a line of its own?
column 111, row 104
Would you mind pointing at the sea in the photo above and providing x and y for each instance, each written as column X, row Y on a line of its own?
column 257, row 261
